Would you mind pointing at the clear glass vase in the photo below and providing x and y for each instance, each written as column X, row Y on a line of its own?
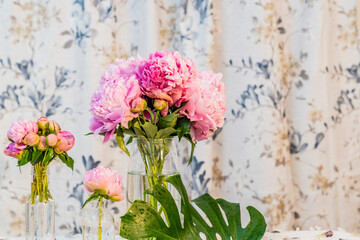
column 97, row 221
column 151, row 162
column 40, row 207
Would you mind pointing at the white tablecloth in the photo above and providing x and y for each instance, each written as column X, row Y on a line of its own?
column 76, row 237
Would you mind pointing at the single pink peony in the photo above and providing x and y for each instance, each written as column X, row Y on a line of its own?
column 105, row 179
column 111, row 105
column 206, row 106
column 66, row 141
column 31, row 139
column 12, row 151
column 138, row 105
column 18, row 130
column 51, row 140
column 54, row 126
column 43, row 122
column 164, row 75
column 42, row 144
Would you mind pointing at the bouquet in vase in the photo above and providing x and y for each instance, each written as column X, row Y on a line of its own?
column 154, row 100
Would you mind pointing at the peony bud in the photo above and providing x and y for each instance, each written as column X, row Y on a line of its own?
column 138, row 105
column 160, row 104
column 51, row 140
column 66, row 142
column 42, row 144
column 31, row 139
column 43, row 123
column 53, row 126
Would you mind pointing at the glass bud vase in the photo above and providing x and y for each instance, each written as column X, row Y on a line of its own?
column 40, row 207
column 97, row 221
column 151, row 162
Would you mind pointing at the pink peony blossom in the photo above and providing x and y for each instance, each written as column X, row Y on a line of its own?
column 54, row 126
column 42, row 144
column 43, row 122
column 206, row 106
column 164, row 75
column 138, row 105
column 105, row 179
column 12, row 151
column 31, row 139
column 51, row 140
column 18, row 130
column 111, row 105
column 66, row 141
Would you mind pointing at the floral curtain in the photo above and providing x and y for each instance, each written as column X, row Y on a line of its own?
column 290, row 144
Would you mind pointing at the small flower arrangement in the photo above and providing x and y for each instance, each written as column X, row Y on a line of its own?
column 103, row 183
column 39, row 143
column 158, row 97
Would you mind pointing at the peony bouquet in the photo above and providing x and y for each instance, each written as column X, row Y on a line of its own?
column 39, row 143
column 158, row 97
column 154, row 100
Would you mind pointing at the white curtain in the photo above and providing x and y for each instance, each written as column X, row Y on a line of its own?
column 290, row 144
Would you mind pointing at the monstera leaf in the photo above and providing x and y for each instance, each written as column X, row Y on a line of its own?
column 143, row 221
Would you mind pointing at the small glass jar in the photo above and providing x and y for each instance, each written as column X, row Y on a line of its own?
column 97, row 221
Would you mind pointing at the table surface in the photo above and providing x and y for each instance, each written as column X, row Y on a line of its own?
column 287, row 235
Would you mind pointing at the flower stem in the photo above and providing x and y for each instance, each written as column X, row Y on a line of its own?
column 100, row 215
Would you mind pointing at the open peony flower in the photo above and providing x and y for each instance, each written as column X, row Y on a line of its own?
column 18, row 130
column 206, row 106
column 102, row 178
column 66, row 141
column 164, row 76
column 111, row 104
column 12, row 151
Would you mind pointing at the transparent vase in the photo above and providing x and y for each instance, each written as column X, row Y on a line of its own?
column 152, row 161
column 97, row 221
column 40, row 207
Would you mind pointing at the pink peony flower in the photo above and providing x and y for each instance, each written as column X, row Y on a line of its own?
column 43, row 122
column 111, row 105
column 206, row 106
column 12, row 151
column 18, row 130
column 51, row 140
column 66, row 141
column 54, row 126
column 105, row 179
column 164, row 75
column 42, row 144
column 138, row 105
column 31, row 139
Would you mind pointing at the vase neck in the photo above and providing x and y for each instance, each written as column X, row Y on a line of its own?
column 40, row 184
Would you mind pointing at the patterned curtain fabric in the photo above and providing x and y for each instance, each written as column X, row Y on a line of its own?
column 290, row 144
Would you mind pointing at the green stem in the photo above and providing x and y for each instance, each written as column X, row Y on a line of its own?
column 100, row 215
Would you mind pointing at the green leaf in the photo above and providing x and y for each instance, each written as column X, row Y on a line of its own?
column 69, row 162
column 120, row 141
column 182, row 127
column 168, row 121
column 193, row 145
column 143, row 221
column 138, row 131
column 24, row 158
column 128, row 132
column 129, row 140
column 166, row 132
column 90, row 133
column 49, row 156
column 150, row 129
column 91, row 197
column 37, row 156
